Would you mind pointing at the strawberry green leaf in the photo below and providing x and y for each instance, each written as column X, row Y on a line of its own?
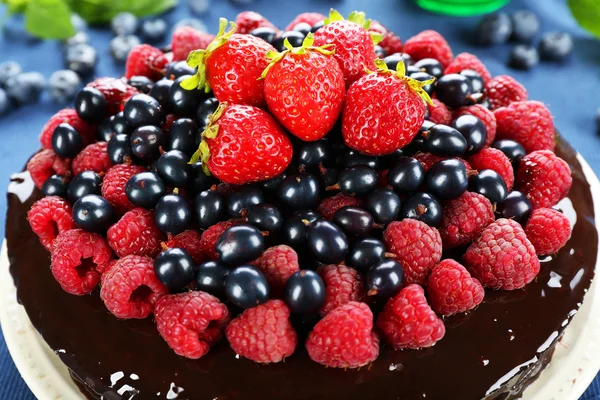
column 48, row 19
column 587, row 13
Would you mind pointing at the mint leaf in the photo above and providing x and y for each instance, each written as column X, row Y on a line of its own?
column 587, row 13
column 98, row 11
column 49, row 19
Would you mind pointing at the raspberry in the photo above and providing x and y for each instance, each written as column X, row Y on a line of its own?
column 544, row 178
column 45, row 164
column 503, row 90
column 429, row 44
column 141, row 61
column 428, row 159
column 310, row 18
column 486, row 116
column 135, row 233
column 344, row 338
column 468, row 61
column 342, row 285
column 502, row 257
column 247, row 21
column 407, row 321
column 439, row 113
column 452, row 290
column 113, row 185
column 548, row 230
column 130, row 288
column 66, row 116
column 190, row 322
column 277, row 263
column 92, row 158
column 330, row 205
column 417, row 246
column 186, row 39
column 78, row 260
column 263, row 333
column 391, row 43
column 209, row 238
column 115, row 90
column 527, row 122
column 464, row 218
column 189, row 241
column 49, row 217
column 495, row 160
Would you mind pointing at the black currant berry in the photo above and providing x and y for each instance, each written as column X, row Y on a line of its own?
column 516, row 206
column 66, row 141
column 178, row 69
column 453, row 90
column 199, row 181
column 490, row 184
column 385, row 278
column 90, row 105
column 393, row 59
column 119, row 125
column 142, row 109
column 384, row 205
column 299, row 191
column 273, row 184
column 513, row 150
column 311, row 155
column 327, row 242
column 444, row 141
column 205, row 110
column 145, row 189
column 119, row 149
column 477, row 83
column 423, row 77
column 406, row 175
column 160, row 91
column 146, row 142
column 265, row 217
column 174, row 268
column 246, row 287
column 242, row 198
column 184, row 102
column 172, row 214
column 184, row 136
column 265, row 33
column 431, row 66
column 93, row 213
column 141, row 83
column 302, row 27
column 104, row 130
column 351, row 158
column 240, row 244
column 447, row 179
column 296, row 226
column 56, row 185
column 365, row 253
column 424, row 207
column 304, row 292
column 354, row 220
column 357, row 180
column 473, row 130
column 210, row 208
column 173, row 168
column 211, row 277
column 84, row 183
column 295, row 38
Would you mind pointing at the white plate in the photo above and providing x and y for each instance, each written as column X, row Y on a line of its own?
column 575, row 363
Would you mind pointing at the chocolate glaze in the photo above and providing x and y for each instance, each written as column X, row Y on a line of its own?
column 494, row 352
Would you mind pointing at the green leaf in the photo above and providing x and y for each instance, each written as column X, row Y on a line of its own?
column 98, row 11
column 587, row 13
column 49, row 19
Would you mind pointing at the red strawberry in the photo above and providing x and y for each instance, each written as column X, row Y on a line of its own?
column 244, row 144
column 141, row 61
column 383, row 111
column 247, row 21
column 391, row 43
column 354, row 45
column 310, row 18
column 186, row 39
column 231, row 65
column 304, row 89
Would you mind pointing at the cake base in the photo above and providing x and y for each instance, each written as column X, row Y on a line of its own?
column 494, row 352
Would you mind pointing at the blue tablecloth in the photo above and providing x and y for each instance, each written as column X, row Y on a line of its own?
column 570, row 89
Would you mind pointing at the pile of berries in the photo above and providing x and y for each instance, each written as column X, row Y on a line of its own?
column 228, row 193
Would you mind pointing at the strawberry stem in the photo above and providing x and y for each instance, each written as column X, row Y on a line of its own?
column 415, row 85
column 211, row 132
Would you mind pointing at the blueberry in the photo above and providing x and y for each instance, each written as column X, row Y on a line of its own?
column 66, row 141
column 141, row 83
column 384, row 205
column 240, row 244
column 385, row 278
column 295, row 38
column 211, row 277
column 173, row 168
column 299, row 191
column 296, row 226
column 124, row 23
column 516, row 206
column 246, row 287
column 393, row 59
column 525, row 26
column 555, row 46
column 494, row 29
column 354, row 220
column 350, row 158
column 63, row 85
column 477, row 83
column 365, row 253
column 380, row 52
column 205, row 110
column 80, row 37
column 174, row 268
column 265, row 33
column 327, row 242
column 453, row 90
column 523, row 56
column 210, row 208
column 311, row 155
column 4, row 102
column 119, row 124
column 84, row 183
column 93, row 213
column 423, row 207
column 121, row 45
column 119, row 149
column 184, row 136
column 160, row 91
column 265, row 217
column 90, row 105
column 142, row 109
column 304, row 292
column 154, row 30
column 199, row 181
column 422, row 77
column 406, row 175
column 358, row 180
column 172, row 214
column 184, row 102
column 317, row 26
column 56, row 185
column 145, row 189
column 473, row 130
column 145, row 143
column 431, row 66
column 9, row 69
column 490, row 184
column 81, row 58
column 25, row 88
column 447, row 179
column 177, row 69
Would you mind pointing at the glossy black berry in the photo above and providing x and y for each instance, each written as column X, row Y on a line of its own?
column 178, row 69
column 174, row 268
column 119, row 125
column 327, row 242
column 146, row 142
column 145, row 189
column 494, row 29
column 447, row 179
column 516, row 206
column 246, row 287
column 490, row 184
column 311, row 155
column 365, row 253
column 211, row 276
column 172, row 214
column 473, row 130
column 523, row 56
column 555, row 46
column 265, row 33
column 329, row 176
column 389, row 160
column 422, row 77
column 453, row 90
column 406, row 175
column 358, row 180
column 380, row 52
column 142, row 109
column 160, row 91
column 56, row 185
column 184, row 102
column 90, row 105
column 445, row 141
column 317, row 26
column 199, row 181
column 393, row 59
column 104, row 131
column 385, row 278
column 204, row 111
column 240, row 244
column 423, row 207
column 295, row 38
column 184, row 136
column 265, row 217
column 431, row 66
column 119, row 149
column 141, row 83
column 84, row 183
column 302, row 27
column 477, row 83
column 296, row 226
column 273, row 184
column 173, row 168
column 513, row 150
column 354, row 220
column 210, row 208
column 384, row 205
column 299, row 191
column 525, row 26
column 351, row 158
column 242, row 198
column 66, row 141
column 304, row 292
column 93, row 213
